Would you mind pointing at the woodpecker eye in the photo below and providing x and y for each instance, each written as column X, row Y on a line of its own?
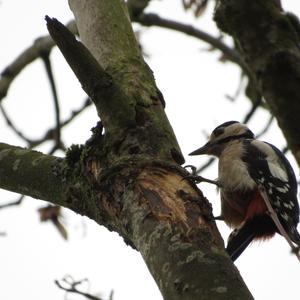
column 218, row 131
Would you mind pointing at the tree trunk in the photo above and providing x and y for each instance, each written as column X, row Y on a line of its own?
column 129, row 178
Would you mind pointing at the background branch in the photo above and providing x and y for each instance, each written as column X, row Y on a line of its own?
column 45, row 55
column 71, row 286
column 25, row 58
column 231, row 54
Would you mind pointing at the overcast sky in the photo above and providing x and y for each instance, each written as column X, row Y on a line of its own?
column 195, row 85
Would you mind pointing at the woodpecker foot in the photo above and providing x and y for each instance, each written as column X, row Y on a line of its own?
column 193, row 169
column 199, row 179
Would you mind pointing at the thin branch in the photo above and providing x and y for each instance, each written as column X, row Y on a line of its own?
column 72, row 287
column 232, row 54
column 13, row 127
column 14, row 203
column 266, row 128
column 238, row 90
column 45, row 55
column 253, row 109
column 50, row 134
column 25, row 58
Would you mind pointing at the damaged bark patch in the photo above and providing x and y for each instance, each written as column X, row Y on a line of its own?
column 158, row 189
column 170, row 198
column 161, row 208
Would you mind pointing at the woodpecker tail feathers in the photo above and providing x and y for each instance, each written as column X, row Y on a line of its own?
column 258, row 227
column 238, row 241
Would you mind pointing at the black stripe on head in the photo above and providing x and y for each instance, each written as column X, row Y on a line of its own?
column 246, row 135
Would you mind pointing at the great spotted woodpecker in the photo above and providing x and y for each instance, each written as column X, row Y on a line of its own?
column 252, row 175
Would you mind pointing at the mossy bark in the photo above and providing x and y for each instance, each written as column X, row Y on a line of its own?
column 128, row 177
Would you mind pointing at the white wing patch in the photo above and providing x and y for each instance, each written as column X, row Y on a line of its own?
column 277, row 171
column 275, row 165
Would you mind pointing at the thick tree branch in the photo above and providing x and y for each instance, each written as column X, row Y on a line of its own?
column 31, row 173
column 116, row 49
column 270, row 44
column 96, row 82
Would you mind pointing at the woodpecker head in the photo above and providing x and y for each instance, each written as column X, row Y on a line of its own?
column 222, row 135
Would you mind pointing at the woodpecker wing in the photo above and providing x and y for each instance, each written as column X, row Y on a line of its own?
column 269, row 168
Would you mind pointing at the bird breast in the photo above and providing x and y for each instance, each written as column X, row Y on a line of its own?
column 233, row 173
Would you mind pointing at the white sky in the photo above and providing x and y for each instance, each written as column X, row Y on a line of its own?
column 194, row 85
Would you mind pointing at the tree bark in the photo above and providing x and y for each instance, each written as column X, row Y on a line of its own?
column 128, row 178
column 269, row 41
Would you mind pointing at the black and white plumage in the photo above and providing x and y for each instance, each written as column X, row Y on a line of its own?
column 252, row 176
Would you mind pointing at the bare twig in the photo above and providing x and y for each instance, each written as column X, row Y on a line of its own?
column 71, row 287
column 14, row 203
column 10, row 124
column 25, row 58
column 238, row 90
column 232, row 54
column 50, row 134
column 253, row 109
column 266, row 128
column 45, row 55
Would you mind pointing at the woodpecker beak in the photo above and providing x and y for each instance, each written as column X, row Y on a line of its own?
column 203, row 150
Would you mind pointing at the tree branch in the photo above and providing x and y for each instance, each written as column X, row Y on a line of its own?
column 31, row 173
column 13, row 203
column 231, row 54
column 71, row 287
column 50, row 134
column 96, row 82
column 57, row 136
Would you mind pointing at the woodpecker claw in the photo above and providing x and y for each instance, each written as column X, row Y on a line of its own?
column 193, row 169
column 199, row 179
